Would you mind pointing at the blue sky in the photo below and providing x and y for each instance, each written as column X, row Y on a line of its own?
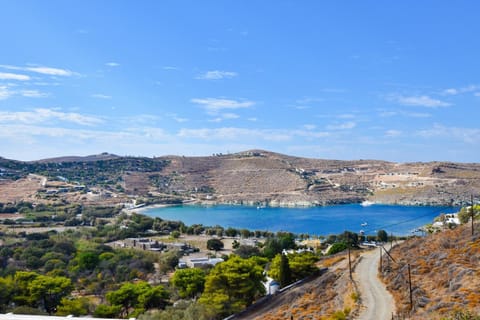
column 390, row 80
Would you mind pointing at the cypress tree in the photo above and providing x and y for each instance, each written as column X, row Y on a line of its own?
column 285, row 272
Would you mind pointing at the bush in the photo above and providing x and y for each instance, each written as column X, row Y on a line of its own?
column 214, row 244
column 337, row 247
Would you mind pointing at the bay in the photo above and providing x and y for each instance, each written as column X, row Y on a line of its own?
column 396, row 219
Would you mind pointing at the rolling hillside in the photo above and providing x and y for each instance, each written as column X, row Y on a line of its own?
column 253, row 177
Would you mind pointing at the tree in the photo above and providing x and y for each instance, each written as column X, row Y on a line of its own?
column 246, row 252
column 382, row 236
column 125, row 297
column 138, row 297
column 153, row 297
column 76, row 307
column 233, row 285
column 50, row 290
column 337, row 247
column 285, row 272
column 231, row 232
column 189, row 282
column 104, row 311
column 214, row 244
column 300, row 265
column 6, row 291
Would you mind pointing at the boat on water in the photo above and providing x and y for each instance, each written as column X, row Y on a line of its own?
column 367, row 203
column 364, row 224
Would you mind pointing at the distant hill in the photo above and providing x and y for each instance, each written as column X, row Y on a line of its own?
column 254, row 177
column 95, row 157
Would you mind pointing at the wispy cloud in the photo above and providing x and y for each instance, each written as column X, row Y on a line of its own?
column 225, row 116
column 244, row 134
column 457, row 91
column 5, row 92
column 101, row 96
column 42, row 70
column 214, row 105
column 13, row 76
column 420, row 101
column 169, row 68
column 393, row 133
column 468, row 135
column 394, row 113
column 309, row 126
column 342, row 126
column 217, row 75
column 42, row 115
column 112, row 64
column 34, row 94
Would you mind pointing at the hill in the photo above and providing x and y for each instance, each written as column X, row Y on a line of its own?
column 445, row 272
column 254, row 177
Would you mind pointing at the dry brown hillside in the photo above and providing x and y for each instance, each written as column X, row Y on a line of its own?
column 253, row 177
column 445, row 273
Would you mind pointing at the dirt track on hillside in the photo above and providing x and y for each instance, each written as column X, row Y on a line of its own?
column 377, row 302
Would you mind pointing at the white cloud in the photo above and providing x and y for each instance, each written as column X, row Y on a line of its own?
column 342, row 126
column 468, row 135
column 51, row 71
column 33, row 94
column 217, row 75
column 101, row 96
column 215, row 105
column 309, row 126
column 169, row 68
column 230, row 116
column 253, row 119
column 421, row 101
column 42, row 70
column 42, row 115
column 5, row 93
column 393, row 113
column 13, row 76
column 456, row 91
column 393, row 133
column 112, row 64
column 477, row 94
column 244, row 134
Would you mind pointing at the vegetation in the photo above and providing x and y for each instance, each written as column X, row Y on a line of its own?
column 233, row 285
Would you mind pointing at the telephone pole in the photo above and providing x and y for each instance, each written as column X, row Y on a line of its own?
column 410, row 287
column 349, row 262
column 471, row 211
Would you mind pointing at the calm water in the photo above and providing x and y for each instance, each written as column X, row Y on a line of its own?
column 400, row 220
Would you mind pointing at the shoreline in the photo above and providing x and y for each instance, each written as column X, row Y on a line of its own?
column 145, row 208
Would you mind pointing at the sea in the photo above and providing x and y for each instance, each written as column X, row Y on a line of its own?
column 395, row 219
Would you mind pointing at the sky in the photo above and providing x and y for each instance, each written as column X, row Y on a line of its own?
column 386, row 80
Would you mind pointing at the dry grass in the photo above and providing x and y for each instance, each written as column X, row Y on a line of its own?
column 445, row 270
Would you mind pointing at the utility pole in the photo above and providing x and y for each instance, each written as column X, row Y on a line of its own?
column 381, row 269
column 349, row 262
column 471, row 211
column 410, row 287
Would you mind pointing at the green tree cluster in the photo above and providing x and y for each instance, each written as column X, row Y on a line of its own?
column 233, row 285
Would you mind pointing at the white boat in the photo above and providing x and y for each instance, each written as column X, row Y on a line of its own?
column 367, row 203
column 364, row 224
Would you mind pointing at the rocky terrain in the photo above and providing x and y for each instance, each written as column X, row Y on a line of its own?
column 254, row 177
column 444, row 274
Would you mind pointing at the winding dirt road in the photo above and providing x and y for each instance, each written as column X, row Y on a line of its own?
column 377, row 302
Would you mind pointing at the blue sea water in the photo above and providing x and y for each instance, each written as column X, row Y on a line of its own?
column 399, row 220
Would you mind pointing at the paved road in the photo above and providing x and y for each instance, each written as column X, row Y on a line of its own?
column 377, row 302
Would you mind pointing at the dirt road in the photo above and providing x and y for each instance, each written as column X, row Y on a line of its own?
column 377, row 303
